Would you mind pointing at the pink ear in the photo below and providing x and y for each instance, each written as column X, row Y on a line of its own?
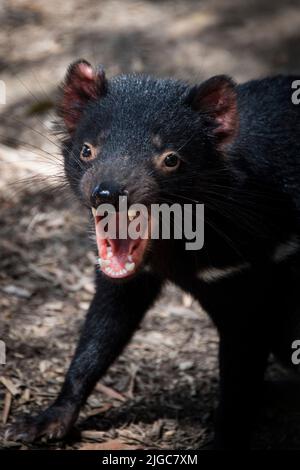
column 216, row 98
column 82, row 84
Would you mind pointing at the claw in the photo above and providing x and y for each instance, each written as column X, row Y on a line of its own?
column 51, row 424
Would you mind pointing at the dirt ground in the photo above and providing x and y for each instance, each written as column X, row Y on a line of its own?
column 162, row 391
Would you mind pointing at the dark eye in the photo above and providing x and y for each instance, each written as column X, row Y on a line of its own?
column 171, row 160
column 167, row 161
column 88, row 152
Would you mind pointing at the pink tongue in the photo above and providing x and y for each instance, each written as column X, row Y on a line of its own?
column 120, row 247
column 121, row 251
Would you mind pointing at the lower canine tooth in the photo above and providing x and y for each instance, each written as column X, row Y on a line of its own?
column 94, row 211
column 130, row 266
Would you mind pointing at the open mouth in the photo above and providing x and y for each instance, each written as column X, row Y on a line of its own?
column 122, row 239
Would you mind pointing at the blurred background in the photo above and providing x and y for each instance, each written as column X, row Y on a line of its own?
column 161, row 393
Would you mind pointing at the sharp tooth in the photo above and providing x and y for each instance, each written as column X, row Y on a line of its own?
column 109, row 252
column 130, row 266
column 131, row 214
column 103, row 262
column 129, row 257
column 94, row 211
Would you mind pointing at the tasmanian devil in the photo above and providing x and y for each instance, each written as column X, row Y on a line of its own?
column 234, row 148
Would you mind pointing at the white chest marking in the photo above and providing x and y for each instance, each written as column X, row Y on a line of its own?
column 286, row 249
column 214, row 274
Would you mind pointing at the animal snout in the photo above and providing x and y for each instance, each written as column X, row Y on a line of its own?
column 107, row 193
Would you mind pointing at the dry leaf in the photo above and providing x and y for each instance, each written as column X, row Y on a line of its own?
column 112, row 444
column 9, row 385
column 17, row 291
column 25, row 397
column 99, row 410
column 110, row 392
column 6, row 407
column 93, row 435
column 133, row 372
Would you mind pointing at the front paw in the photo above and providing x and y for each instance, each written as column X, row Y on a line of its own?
column 52, row 424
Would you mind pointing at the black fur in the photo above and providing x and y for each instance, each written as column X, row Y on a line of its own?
column 240, row 157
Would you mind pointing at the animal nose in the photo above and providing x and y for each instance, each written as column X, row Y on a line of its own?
column 107, row 193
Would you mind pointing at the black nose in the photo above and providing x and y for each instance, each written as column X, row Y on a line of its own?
column 107, row 193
